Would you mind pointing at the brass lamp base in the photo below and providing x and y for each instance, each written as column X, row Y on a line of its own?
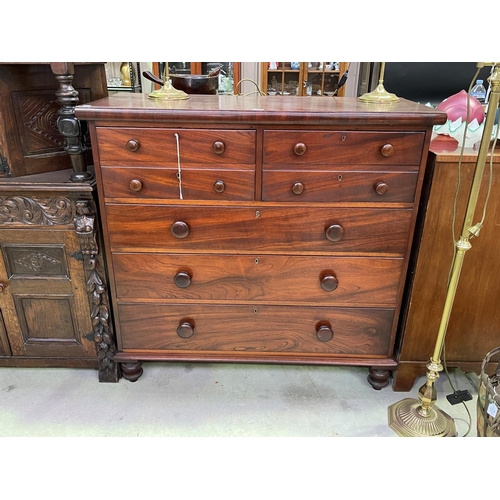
column 168, row 93
column 379, row 95
column 406, row 421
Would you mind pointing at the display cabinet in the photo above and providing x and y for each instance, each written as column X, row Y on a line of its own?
column 123, row 77
column 302, row 78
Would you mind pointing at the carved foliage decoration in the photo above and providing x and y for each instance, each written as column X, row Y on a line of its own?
column 102, row 332
column 36, row 211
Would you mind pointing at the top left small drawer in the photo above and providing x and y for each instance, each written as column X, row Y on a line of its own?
column 163, row 147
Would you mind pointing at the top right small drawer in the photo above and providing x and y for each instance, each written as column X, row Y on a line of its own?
column 290, row 147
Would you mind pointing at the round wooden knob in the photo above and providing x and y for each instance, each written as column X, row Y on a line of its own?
column 179, row 229
column 218, row 147
column 219, row 186
column 3, row 286
column 300, row 148
column 133, row 145
column 387, row 149
column 185, row 329
column 335, row 232
column 182, row 279
column 329, row 282
column 324, row 333
column 298, row 188
column 135, row 185
column 381, row 188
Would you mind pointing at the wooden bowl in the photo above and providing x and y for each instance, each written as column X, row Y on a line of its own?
column 196, row 84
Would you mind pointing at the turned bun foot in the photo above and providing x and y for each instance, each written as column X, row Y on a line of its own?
column 378, row 378
column 132, row 370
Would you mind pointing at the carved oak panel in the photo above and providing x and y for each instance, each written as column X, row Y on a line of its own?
column 36, row 116
column 35, row 261
column 47, row 319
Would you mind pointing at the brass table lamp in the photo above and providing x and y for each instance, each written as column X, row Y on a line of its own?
column 167, row 91
column 379, row 94
column 420, row 417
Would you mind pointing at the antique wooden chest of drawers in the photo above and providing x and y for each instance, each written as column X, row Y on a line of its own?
column 253, row 229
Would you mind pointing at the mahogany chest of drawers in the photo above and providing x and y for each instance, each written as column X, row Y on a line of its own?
column 257, row 229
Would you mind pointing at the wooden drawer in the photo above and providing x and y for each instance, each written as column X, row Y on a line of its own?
column 364, row 281
column 338, row 186
column 163, row 183
column 255, row 329
column 158, row 147
column 302, row 148
column 257, row 229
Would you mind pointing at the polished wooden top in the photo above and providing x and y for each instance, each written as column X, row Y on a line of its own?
column 262, row 109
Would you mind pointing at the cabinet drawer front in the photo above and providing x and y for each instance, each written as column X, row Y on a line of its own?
column 249, row 329
column 257, row 229
column 303, row 185
column 155, row 146
column 352, row 148
column 163, row 183
column 364, row 281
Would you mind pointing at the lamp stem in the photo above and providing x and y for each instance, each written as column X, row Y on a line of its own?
column 381, row 73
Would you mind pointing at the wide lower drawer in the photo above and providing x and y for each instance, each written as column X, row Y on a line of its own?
column 182, row 228
column 338, row 186
column 195, row 184
column 290, row 148
column 344, row 281
column 157, row 146
column 314, row 330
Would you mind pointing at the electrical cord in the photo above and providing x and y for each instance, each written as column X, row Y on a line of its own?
column 258, row 91
column 469, row 425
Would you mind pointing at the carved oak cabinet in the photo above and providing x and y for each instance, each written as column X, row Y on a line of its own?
column 253, row 229
column 53, row 291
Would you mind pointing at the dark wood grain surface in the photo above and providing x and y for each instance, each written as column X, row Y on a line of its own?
column 217, row 184
column 158, row 146
column 344, row 111
column 338, row 186
column 263, row 278
column 269, row 229
column 341, row 147
column 241, row 329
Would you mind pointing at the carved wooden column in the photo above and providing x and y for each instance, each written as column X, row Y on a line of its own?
column 103, row 335
column 69, row 126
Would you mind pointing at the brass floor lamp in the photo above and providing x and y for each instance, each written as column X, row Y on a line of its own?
column 420, row 417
